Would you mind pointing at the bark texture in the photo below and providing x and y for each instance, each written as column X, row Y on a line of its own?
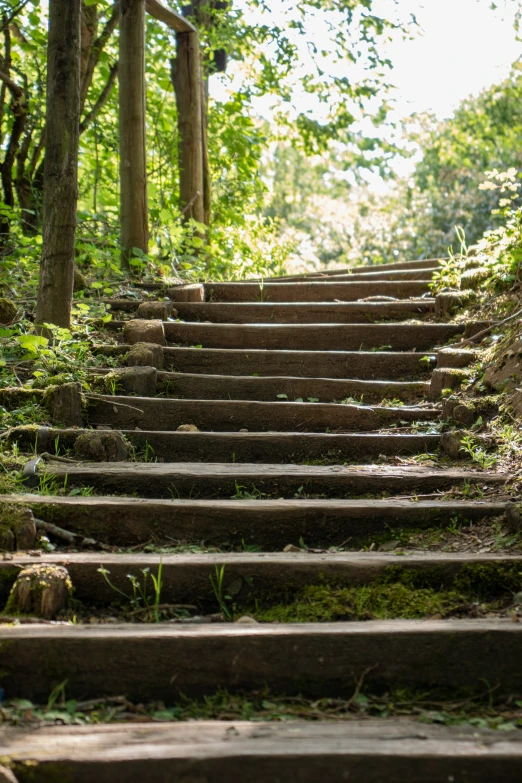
column 186, row 77
column 133, row 164
column 61, row 164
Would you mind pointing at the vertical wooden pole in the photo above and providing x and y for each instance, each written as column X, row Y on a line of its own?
column 133, row 161
column 186, row 77
column 60, row 190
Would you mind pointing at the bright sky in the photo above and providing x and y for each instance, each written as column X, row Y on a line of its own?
column 465, row 46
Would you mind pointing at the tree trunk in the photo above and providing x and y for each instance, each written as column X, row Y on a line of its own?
column 133, row 163
column 186, row 77
column 61, row 164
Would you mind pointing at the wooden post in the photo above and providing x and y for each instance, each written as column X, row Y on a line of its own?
column 186, row 77
column 133, row 162
column 60, row 190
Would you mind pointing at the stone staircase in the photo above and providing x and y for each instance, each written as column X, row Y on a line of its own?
column 302, row 403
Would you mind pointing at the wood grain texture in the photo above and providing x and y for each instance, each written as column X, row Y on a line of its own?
column 272, row 524
column 228, row 415
column 360, row 365
column 160, row 10
column 312, row 291
column 301, row 312
column 132, row 131
column 316, row 337
column 216, row 387
column 243, row 446
column 369, row 751
column 207, row 480
column 149, row 662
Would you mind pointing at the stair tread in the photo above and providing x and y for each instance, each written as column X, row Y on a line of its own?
column 391, row 748
column 316, row 336
column 314, row 291
column 280, row 415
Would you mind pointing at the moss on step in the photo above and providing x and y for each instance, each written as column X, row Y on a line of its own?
column 367, row 602
column 400, row 592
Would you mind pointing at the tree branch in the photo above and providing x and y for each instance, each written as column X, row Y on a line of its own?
column 102, row 99
column 96, row 50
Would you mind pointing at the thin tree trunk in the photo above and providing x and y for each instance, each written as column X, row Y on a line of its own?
column 133, row 162
column 61, row 164
column 186, row 77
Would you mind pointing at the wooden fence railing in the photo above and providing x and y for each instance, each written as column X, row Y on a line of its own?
column 189, row 88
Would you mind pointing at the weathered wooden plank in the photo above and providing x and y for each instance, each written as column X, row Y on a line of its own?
column 271, row 524
column 160, row 10
column 359, row 365
column 301, row 312
column 226, row 415
column 417, row 264
column 215, row 387
column 186, row 578
column 242, row 446
column 207, row 480
column 151, row 662
column 312, row 291
column 318, row 337
column 368, row 751
column 376, row 365
column 369, row 273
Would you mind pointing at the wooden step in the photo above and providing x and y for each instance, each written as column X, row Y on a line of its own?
column 361, row 751
column 159, row 662
column 226, row 415
column 301, row 312
column 208, row 480
column 375, row 273
column 268, row 578
column 241, row 446
column 216, row 387
column 417, row 264
column 312, row 291
column 359, row 365
column 317, row 337
column 270, row 524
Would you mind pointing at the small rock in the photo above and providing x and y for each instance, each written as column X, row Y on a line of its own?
column 141, row 331
column 102, row 446
column 141, row 381
column 40, row 590
column 246, row 620
column 292, row 548
column 8, row 311
column 161, row 310
column 65, row 404
column 451, row 443
column 447, row 407
column 17, row 527
column 513, row 517
column 243, row 430
column 450, row 301
column 446, row 379
column 187, row 428
column 463, row 415
column 146, row 355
